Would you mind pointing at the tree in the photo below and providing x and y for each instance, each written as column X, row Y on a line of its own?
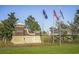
column 76, row 21
column 32, row 24
column 53, row 30
column 62, row 30
column 1, row 31
column 9, row 26
column 74, row 26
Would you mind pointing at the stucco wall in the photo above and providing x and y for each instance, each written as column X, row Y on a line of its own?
column 25, row 39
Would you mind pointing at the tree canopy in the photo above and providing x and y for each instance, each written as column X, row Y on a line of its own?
column 32, row 24
column 7, row 26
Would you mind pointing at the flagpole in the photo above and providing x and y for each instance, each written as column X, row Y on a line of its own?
column 45, row 16
column 60, row 28
column 53, row 29
column 42, row 24
column 60, row 33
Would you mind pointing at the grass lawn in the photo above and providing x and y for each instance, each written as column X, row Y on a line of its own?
column 64, row 49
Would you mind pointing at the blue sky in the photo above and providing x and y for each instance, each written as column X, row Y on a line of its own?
column 23, row 11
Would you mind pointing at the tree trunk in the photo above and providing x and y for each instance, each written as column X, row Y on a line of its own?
column 53, row 39
column 60, row 41
column 4, row 40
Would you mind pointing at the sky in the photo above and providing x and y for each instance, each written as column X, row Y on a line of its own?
column 23, row 11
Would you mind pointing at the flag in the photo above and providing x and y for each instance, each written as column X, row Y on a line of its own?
column 45, row 15
column 61, row 14
column 55, row 15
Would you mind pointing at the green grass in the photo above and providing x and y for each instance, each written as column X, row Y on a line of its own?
column 64, row 49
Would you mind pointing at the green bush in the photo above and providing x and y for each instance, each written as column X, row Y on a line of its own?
column 76, row 38
column 2, row 44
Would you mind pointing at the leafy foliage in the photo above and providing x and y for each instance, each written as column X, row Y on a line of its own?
column 1, row 31
column 32, row 24
column 8, row 26
column 74, row 26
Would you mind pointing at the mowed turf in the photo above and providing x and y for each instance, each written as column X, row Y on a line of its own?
column 64, row 49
